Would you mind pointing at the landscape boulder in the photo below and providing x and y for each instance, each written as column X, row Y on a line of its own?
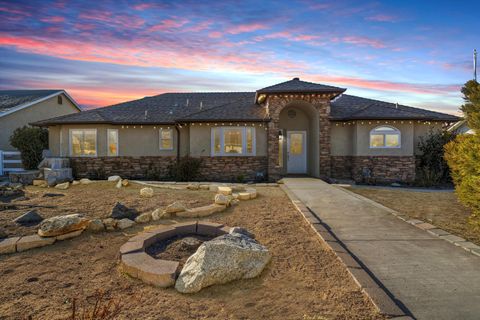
column 110, row 224
column 119, row 184
column 222, row 199
column 125, row 223
column 85, row 181
column 158, row 214
column 96, row 225
column 225, row 190
column 59, row 225
column 193, row 186
column 226, row 258
column 125, row 182
column 120, row 211
column 144, row 218
column 29, row 218
column 175, row 207
column 146, row 192
column 114, row 178
column 63, row 186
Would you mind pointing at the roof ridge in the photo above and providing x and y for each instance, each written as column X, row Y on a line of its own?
column 209, row 109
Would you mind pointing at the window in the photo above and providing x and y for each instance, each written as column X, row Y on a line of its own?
column 166, row 139
column 233, row 141
column 83, row 142
column 112, row 142
column 59, row 100
column 385, row 137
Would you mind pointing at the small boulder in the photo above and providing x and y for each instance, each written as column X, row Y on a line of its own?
column 225, row 190
column 119, row 184
column 241, row 230
column 221, row 260
column 158, row 214
column 110, row 224
column 193, row 186
column 244, row 196
column 63, row 186
column 29, row 218
column 253, row 193
column 222, row 199
column 125, row 182
column 114, row 178
column 144, row 218
column 146, row 192
column 51, row 181
column 59, row 225
column 120, row 211
column 75, row 182
column 96, row 225
column 213, row 188
column 125, row 223
column 204, row 187
column 85, row 181
column 175, row 207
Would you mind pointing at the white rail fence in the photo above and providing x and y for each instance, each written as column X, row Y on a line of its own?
column 10, row 162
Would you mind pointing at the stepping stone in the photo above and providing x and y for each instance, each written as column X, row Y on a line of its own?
column 8, row 245
column 33, row 241
column 29, row 218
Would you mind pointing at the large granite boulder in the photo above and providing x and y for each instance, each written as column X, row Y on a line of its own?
column 59, row 225
column 221, row 260
column 120, row 211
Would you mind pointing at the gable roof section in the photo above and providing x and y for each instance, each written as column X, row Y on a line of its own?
column 14, row 100
column 298, row 86
column 347, row 107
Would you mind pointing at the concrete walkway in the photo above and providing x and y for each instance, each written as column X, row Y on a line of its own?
column 433, row 278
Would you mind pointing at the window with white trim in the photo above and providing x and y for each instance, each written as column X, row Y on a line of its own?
column 385, row 137
column 112, row 142
column 233, row 141
column 166, row 139
column 83, row 142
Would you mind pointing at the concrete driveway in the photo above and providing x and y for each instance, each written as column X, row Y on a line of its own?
column 433, row 278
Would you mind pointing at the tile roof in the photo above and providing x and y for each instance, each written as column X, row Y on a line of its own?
column 14, row 98
column 297, row 85
column 347, row 107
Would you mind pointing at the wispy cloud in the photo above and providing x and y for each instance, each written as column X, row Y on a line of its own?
column 382, row 18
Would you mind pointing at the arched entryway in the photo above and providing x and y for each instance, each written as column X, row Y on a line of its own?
column 299, row 139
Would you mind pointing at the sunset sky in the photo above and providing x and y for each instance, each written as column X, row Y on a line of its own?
column 417, row 53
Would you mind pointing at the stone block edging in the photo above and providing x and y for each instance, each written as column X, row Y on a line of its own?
column 426, row 226
column 371, row 287
column 161, row 273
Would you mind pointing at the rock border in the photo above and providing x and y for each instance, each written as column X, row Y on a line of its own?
column 371, row 287
column 161, row 273
column 426, row 226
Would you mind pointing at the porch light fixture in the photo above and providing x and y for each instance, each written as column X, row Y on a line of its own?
column 280, row 134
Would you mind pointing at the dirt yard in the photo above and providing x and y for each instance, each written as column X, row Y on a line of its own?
column 439, row 208
column 303, row 281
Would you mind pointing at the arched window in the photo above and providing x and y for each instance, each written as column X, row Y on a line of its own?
column 385, row 137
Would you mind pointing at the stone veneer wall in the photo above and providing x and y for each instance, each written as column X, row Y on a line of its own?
column 231, row 168
column 276, row 103
column 126, row 167
column 154, row 168
column 383, row 169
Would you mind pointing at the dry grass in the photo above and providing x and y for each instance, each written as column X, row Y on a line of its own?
column 303, row 280
column 439, row 208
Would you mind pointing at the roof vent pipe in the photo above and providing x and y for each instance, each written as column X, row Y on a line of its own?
column 146, row 114
column 396, row 105
column 187, row 102
column 201, row 105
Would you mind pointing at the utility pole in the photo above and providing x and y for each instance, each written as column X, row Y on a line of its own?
column 475, row 64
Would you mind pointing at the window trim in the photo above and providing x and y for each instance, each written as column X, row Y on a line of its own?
column 70, row 131
column 108, row 143
column 384, row 133
column 222, row 153
column 160, row 139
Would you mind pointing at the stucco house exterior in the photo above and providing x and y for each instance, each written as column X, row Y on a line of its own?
column 294, row 127
column 18, row 108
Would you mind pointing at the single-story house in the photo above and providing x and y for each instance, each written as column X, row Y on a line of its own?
column 460, row 127
column 18, row 108
column 294, row 127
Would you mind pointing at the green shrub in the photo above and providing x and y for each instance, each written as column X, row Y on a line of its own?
column 463, row 154
column 30, row 141
column 186, row 169
column 432, row 168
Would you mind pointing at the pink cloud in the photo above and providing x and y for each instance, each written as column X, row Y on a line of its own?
column 215, row 34
column 382, row 18
column 364, row 41
column 169, row 24
column 53, row 19
column 288, row 36
column 244, row 28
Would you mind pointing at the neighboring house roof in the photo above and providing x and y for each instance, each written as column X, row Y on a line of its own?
column 169, row 108
column 461, row 127
column 14, row 100
column 347, row 107
column 296, row 86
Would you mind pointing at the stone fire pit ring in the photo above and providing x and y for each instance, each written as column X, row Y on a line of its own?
column 161, row 273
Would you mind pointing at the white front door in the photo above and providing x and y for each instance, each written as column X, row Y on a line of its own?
column 296, row 152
